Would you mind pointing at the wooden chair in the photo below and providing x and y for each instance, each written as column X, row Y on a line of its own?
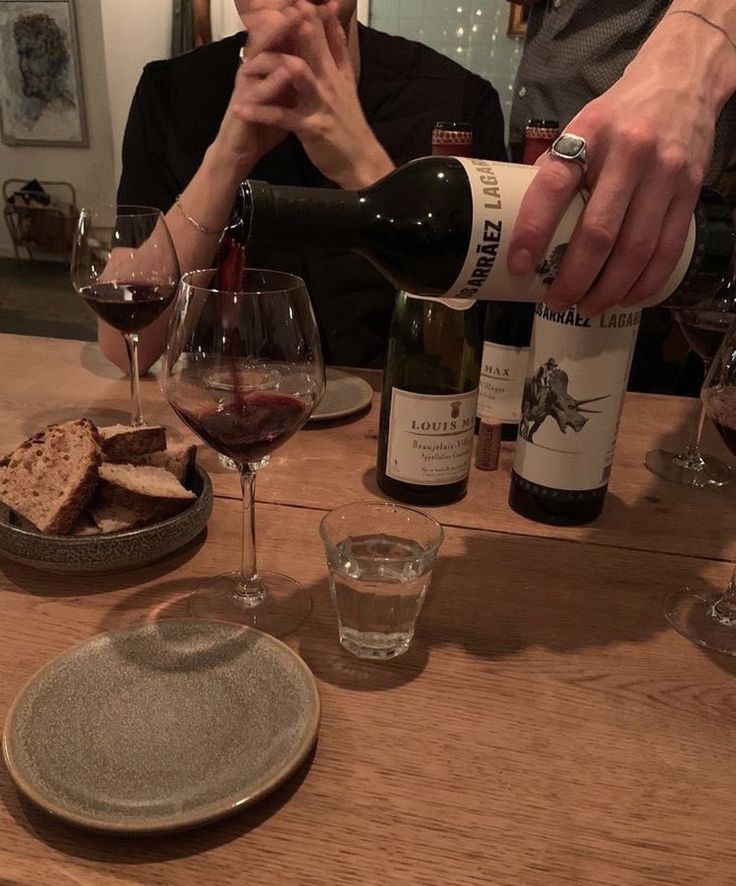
column 36, row 227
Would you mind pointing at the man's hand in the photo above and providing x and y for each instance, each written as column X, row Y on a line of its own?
column 309, row 89
column 650, row 141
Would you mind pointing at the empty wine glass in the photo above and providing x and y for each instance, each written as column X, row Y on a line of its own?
column 704, row 615
column 704, row 327
column 244, row 370
column 124, row 265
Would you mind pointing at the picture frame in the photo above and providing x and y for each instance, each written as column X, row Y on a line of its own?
column 41, row 88
column 518, row 17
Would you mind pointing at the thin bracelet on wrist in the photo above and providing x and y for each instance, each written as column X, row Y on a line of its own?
column 212, row 232
column 705, row 19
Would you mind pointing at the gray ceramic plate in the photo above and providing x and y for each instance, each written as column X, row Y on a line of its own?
column 344, row 395
column 161, row 726
column 111, row 552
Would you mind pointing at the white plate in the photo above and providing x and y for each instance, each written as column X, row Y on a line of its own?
column 345, row 394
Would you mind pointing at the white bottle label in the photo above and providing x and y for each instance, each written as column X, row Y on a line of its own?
column 430, row 437
column 573, row 395
column 501, row 382
column 497, row 191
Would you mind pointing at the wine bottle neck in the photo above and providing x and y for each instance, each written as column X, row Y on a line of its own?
column 325, row 217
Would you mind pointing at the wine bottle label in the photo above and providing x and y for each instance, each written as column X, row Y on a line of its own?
column 497, row 190
column 430, row 437
column 501, row 382
column 456, row 304
column 572, row 398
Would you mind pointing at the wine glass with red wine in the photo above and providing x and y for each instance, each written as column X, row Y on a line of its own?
column 243, row 369
column 124, row 265
column 703, row 615
column 704, row 327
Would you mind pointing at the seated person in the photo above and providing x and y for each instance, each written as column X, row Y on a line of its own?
column 318, row 100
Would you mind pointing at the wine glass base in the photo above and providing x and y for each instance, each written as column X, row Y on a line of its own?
column 284, row 609
column 668, row 466
column 690, row 612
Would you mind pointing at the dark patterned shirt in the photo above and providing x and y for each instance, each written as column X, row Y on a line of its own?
column 576, row 49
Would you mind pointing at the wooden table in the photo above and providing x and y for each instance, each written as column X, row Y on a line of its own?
column 546, row 726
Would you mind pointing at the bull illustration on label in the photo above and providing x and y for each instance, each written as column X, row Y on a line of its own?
column 546, row 394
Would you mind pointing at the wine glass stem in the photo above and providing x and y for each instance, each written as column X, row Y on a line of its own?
column 691, row 457
column 136, row 412
column 724, row 609
column 250, row 590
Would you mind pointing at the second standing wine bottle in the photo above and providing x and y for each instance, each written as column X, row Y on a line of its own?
column 508, row 326
column 430, row 385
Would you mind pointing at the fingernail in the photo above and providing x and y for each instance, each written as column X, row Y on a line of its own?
column 521, row 262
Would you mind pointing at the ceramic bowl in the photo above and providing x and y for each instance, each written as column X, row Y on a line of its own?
column 111, row 552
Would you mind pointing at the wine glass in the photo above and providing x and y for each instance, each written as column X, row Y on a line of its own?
column 124, row 265
column 707, row 616
column 704, row 327
column 244, row 370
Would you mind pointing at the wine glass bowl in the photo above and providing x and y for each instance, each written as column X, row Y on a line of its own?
column 706, row 616
column 244, row 370
column 704, row 327
column 125, row 267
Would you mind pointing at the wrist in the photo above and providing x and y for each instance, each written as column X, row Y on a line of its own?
column 690, row 48
column 367, row 171
column 229, row 164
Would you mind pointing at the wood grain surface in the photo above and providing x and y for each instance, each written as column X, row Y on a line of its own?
column 327, row 465
column 546, row 726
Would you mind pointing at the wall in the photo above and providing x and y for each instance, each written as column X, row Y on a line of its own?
column 135, row 32
column 90, row 169
column 473, row 32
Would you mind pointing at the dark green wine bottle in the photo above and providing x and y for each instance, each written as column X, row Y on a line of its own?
column 430, row 392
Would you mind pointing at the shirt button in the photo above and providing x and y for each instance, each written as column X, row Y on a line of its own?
column 522, row 92
column 557, row 3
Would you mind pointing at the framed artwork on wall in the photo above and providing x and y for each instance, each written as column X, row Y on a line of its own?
column 41, row 94
column 518, row 17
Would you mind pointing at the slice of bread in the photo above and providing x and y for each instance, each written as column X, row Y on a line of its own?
column 142, row 480
column 50, row 477
column 121, row 443
column 177, row 460
column 130, row 496
column 84, row 526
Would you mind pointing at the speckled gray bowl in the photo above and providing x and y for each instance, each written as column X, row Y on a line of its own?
column 111, row 552
column 161, row 726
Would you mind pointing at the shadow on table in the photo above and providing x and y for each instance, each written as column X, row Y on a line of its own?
column 108, row 849
column 24, row 579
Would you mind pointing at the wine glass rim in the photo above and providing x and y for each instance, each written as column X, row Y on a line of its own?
column 140, row 209
column 297, row 283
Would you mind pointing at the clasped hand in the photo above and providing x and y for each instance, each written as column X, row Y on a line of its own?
column 297, row 76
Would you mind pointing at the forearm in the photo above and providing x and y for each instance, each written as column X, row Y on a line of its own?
column 208, row 199
column 697, row 39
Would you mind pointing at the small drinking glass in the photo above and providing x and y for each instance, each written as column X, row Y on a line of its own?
column 125, row 267
column 380, row 558
column 243, row 369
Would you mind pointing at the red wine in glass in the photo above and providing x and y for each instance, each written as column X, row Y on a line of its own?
column 130, row 307
column 720, row 405
column 250, row 427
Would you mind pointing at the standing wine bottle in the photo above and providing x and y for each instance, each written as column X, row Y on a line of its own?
column 441, row 226
column 508, row 326
column 430, row 384
column 574, row 391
